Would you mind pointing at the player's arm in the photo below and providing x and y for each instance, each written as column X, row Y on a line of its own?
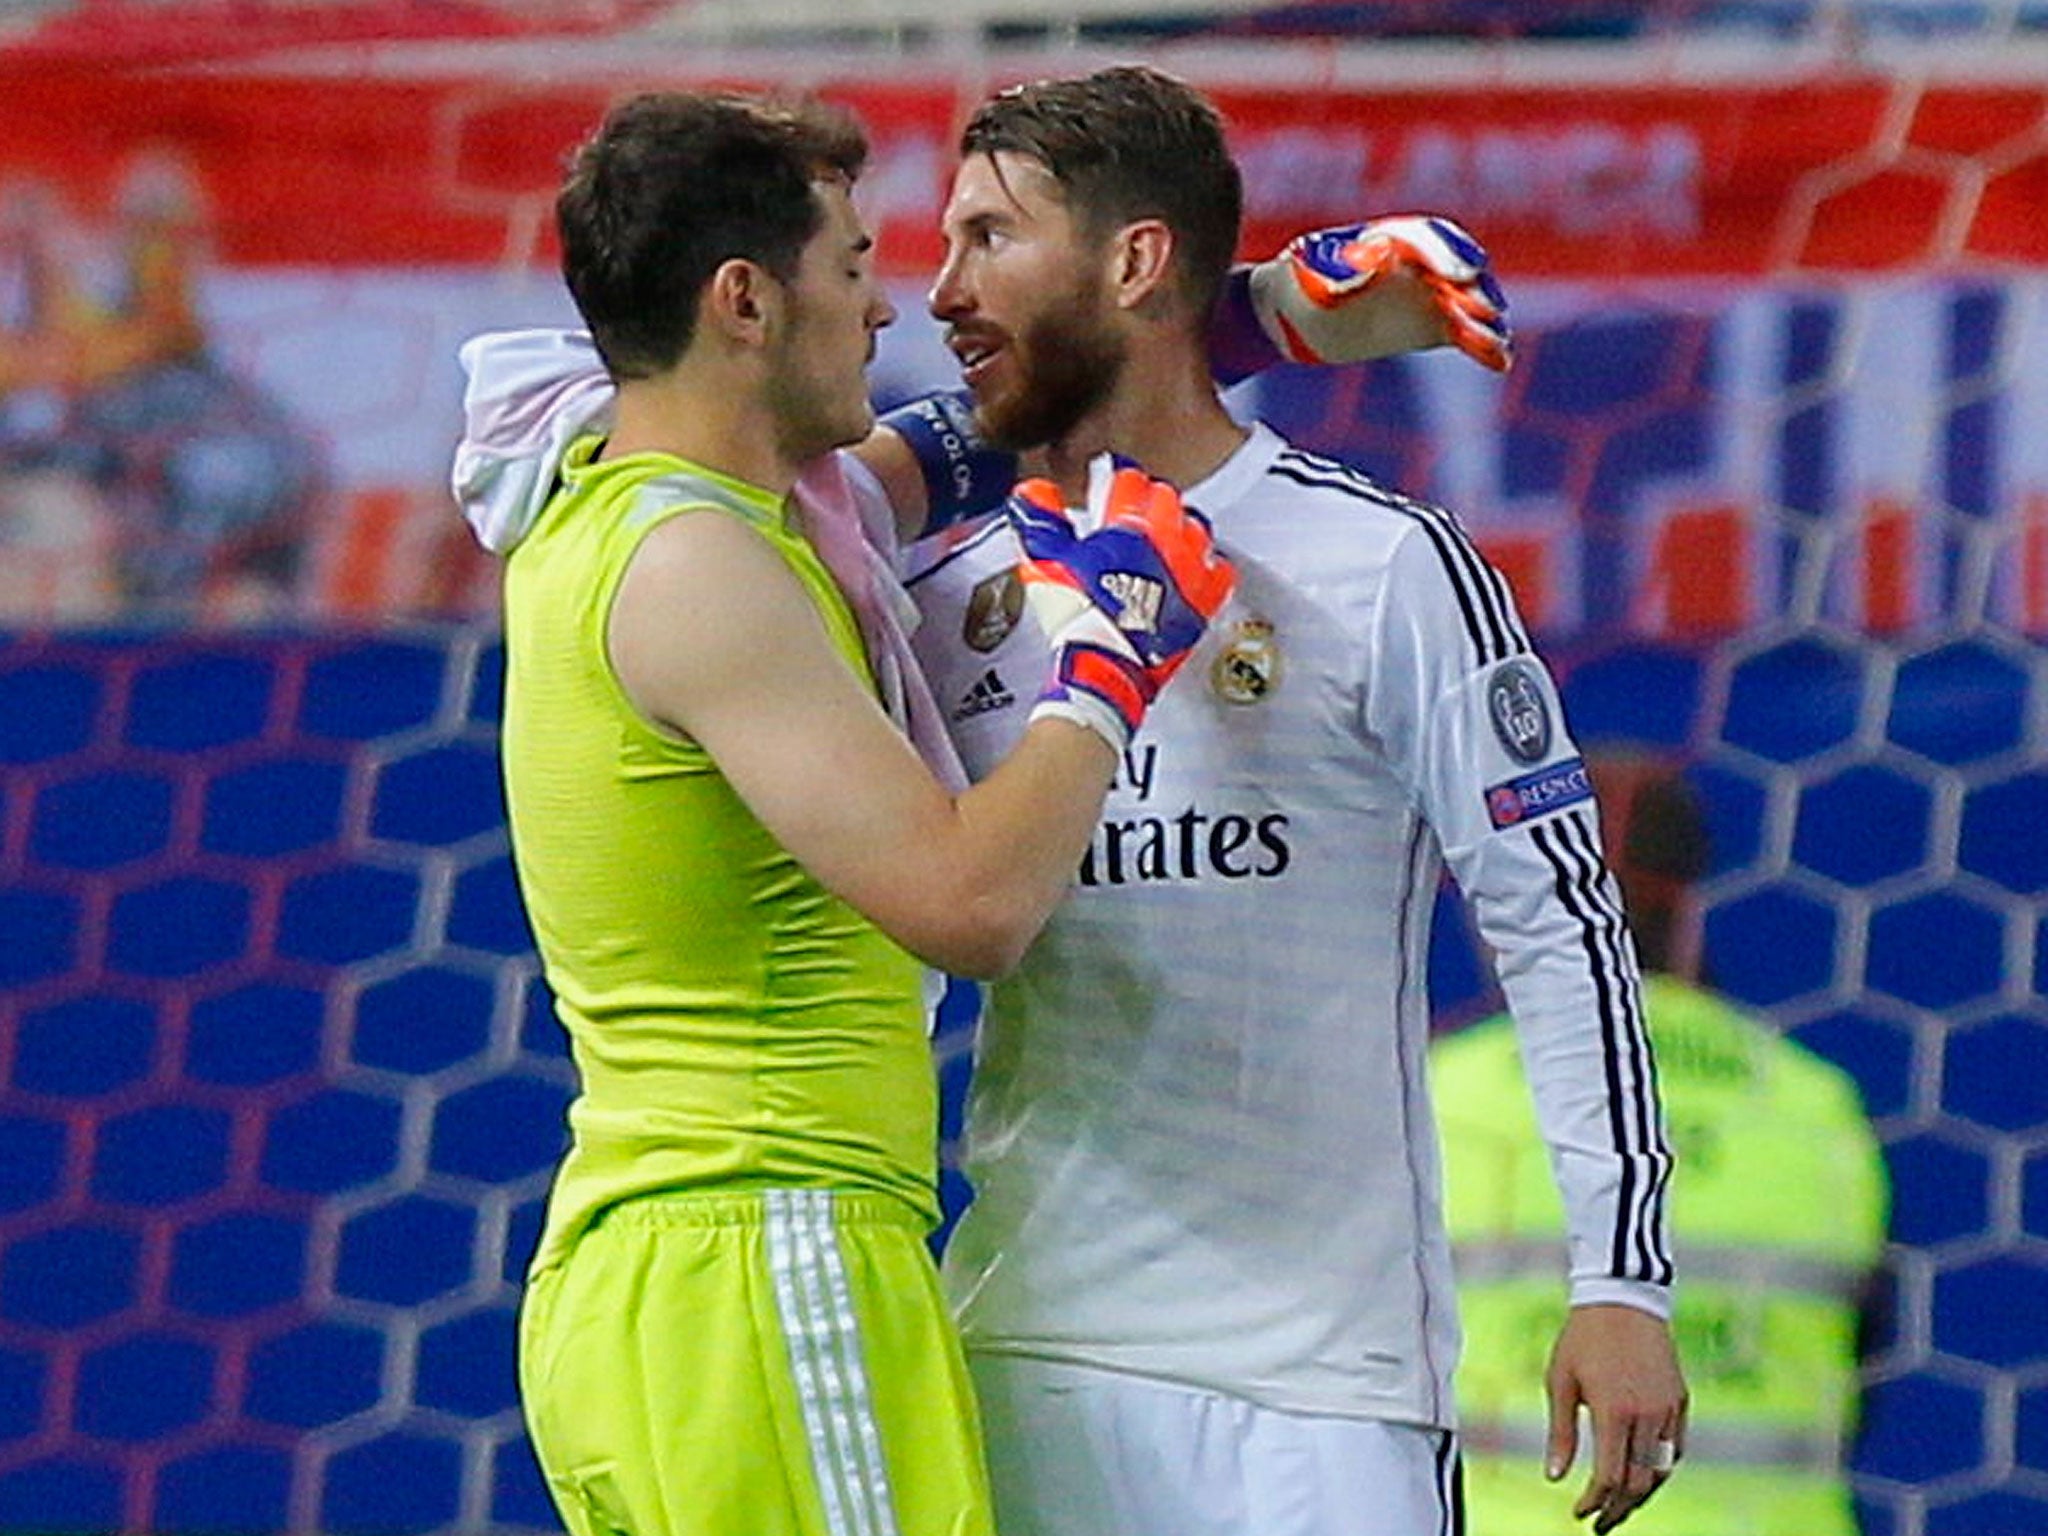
column 1345, row 294
column 1472, row 714
column 711, row 636
column 933, row 465
column 1354, row 292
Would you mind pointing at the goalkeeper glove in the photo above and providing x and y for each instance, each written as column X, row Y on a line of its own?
column 1123, row 588
column 1317, row 299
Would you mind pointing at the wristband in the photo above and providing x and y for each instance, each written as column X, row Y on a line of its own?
column 963, row 476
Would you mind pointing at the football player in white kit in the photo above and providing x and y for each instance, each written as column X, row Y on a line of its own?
column 1204, row 1283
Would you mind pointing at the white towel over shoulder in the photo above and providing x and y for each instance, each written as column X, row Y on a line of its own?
column 531, row 393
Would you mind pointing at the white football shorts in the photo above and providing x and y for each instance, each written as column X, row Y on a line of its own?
column 1076, row 1451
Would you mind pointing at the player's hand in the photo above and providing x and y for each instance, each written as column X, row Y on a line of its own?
column 1359, row 291
column 1123, row 588
column 1618, row 1363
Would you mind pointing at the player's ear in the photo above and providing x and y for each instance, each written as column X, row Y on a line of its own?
column 1142, row 253
column 740, row 300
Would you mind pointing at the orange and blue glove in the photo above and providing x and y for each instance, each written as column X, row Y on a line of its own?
column 1324, row 297
column 1123, row 588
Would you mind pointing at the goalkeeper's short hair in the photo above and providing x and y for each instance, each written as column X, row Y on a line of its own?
column 673, row 184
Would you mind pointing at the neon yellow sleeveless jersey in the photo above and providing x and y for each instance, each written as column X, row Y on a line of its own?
column 735, row 1025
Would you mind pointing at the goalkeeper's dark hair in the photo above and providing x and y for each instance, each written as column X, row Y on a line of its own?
column 672, row 185
column 1129, row 143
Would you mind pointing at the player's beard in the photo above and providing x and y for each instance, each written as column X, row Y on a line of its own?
column 1069, row 358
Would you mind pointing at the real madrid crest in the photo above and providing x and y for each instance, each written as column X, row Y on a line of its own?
column 1247, row 666
column 993, row 609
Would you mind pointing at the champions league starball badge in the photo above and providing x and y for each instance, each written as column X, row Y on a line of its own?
column 1247, row 667
column 993, row 609
column 1521, row 716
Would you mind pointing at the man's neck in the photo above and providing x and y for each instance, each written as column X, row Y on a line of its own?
column 1165, row 415
column 718, row 424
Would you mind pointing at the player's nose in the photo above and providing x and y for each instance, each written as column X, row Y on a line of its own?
column 949, row 296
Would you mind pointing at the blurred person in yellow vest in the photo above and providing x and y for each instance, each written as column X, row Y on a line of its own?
column 1778, row 1212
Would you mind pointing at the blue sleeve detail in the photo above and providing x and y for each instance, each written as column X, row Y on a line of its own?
column 963, row 476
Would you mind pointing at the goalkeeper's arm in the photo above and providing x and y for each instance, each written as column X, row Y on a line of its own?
column 1345, row 294
column 1359, row 291
column 713, row 636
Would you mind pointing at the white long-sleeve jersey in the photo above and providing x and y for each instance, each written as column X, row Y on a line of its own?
column 1199, row 1132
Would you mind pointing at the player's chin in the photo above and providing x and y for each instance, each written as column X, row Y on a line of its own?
column 851, row 423
column 1001, row 416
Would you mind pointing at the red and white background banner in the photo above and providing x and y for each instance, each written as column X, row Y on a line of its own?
column 1839, row 174
column 1775, row 334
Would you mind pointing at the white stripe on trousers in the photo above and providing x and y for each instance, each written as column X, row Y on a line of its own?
column 823, row 1338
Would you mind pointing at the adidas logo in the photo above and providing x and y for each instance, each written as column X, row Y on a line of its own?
column 1138, row 598
column 987, row 693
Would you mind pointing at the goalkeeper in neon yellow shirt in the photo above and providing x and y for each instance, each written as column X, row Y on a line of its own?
column 733, row 1326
